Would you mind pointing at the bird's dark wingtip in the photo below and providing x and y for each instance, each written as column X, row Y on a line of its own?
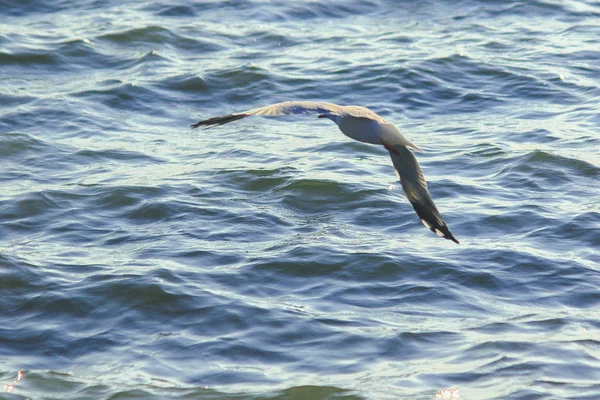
column 438, row 227
column 209, row 123
column 450, row 237
column 443, row 231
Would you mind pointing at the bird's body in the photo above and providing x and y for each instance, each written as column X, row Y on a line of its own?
column 362, row 124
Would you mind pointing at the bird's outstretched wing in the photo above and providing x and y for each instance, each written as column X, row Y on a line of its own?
column 294, row 107
column 415, row 189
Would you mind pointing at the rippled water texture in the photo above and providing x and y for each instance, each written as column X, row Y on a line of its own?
column 275, row 258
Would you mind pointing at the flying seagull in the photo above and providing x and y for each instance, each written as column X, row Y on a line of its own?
column 364, row 125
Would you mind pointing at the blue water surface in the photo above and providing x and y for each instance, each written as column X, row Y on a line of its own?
column 276, row 258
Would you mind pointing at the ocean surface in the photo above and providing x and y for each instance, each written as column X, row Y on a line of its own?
column 275, row 258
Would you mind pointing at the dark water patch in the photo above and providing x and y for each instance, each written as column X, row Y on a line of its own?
column 148, row 34
column 453, row 87
column 191, row 256
column 39, row 59
column 184, row 83
column 333, row 10
column 250, row 78
column 574, row 166
column 495, row 45
column 137, row 294
column 545, row 325
column 174, row 10
column 574, row 230
column 151, row 212
column 276, row 13
column 406, row 294
column 485, row 158
column 220, row 318
column 242, row 352
column 19, row 144
column 208, row 11
column 511, row 221
column 10, row 101
column 385, row 268
column 539, row 170
column 19, row 277
column 34, row 208
column 579, row 88
column 257, row 180
column 54, row 306
column 416, row 78
column 396, row 38
column 272, row 40
column 85, row 156
column 477, row 100
column 116, row 198
column 317, row 392
column 537, row 89
column 43, row 158
column 305, row 264
column 585, row 56
column 67, row 120
column 159, row 36
column 537, row 115
column 28, row 7
column 582, row 28
column 544, row 9
column 256, row 227
column 533, row 136
column 321, row 195
column 587, row 298
column 409, row 345
column 504, row 274
column 84, row 54
column 81, row 230
column 127, row 96
column 43, row 343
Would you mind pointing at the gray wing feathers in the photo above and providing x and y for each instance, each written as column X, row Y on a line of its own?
column 297, row 107
column 285, row 108
column 415, row 189
column 315, row 107
column 294, row 107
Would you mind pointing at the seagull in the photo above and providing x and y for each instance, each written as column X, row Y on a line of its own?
column 362, row 124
